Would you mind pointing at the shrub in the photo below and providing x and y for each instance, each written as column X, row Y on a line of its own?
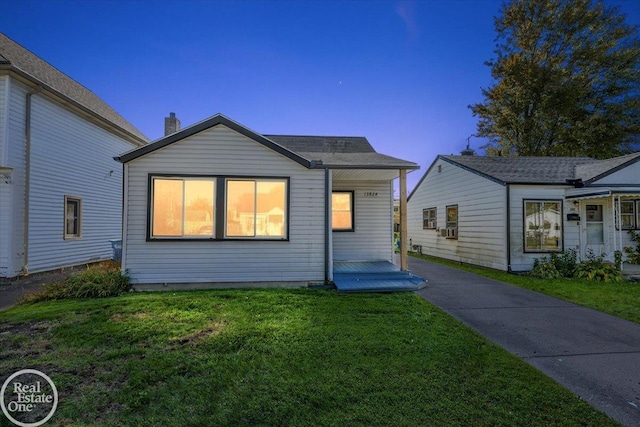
column 545, row 269
column 633, row 254
column 97, row 281
column 595, row 268
column 562, row 265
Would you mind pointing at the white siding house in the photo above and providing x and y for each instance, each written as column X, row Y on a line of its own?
column 60, row 189
column 218, row 204
column 510, row 211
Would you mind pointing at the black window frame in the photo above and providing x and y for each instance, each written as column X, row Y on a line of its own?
column 77, row 218
column 524, row 226
column 352, row 208
column 220, row 205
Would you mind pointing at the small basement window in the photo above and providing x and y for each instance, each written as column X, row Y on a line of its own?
column 72, row 217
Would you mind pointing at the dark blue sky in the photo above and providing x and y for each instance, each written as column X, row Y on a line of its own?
column 400, row 73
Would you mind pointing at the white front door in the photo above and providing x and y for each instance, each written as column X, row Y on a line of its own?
column 594, row 229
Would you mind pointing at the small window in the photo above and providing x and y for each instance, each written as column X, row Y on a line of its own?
column 342, row 210
column 452, row 216
column 543, row 225
column 72, row 217
column 627, row 214
column 256, row 208
column 182, row 207
column 429, row 218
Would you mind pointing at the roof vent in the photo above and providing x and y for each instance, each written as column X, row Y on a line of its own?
column 171, row 124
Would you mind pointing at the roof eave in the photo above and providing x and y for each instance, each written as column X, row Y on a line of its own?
column 213, row 121
column 612, row 170
column 25, row 76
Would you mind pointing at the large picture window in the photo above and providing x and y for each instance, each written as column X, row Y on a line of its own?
column 72, row 222
column 183, row 207
column 256, row 208
column 542, row 226
column 342, row 211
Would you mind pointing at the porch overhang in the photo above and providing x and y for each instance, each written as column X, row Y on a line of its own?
column 601, row 192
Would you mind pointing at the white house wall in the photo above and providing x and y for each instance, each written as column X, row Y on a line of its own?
column 481, row 216
column 5, row 187
column 521, row 261
column 14, row 151
column 71, row 156
column 372, row 238
column 629, row 175
column 221, row 151
column 4, row 106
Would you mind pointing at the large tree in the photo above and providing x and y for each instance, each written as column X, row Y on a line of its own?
column 566, row 81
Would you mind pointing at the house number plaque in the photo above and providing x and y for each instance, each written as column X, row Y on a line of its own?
column 370, row 194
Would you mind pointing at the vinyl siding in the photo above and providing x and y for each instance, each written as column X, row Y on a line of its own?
column 372, row 238
column 481, row 216
column 221, row 151
column 15, row 152
column 521, row 261
column 4, row 106
column 71, row 156
column 5, row 187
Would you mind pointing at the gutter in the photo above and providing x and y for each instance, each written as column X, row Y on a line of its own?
column 27, row 178
column 327, row 235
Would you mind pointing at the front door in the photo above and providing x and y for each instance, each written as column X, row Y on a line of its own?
column 594, row 229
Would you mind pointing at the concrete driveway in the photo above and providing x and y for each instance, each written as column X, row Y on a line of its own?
column 595, row 355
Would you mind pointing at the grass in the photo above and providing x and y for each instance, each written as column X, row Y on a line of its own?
column 621, row 299
column 276, row 357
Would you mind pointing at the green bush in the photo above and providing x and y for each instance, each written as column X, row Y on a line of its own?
column 545, row 269
column 97, row 281
column 562, row 265
column 633, row 254
column 595, row 268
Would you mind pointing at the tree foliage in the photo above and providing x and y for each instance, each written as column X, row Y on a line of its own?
column 567, row 81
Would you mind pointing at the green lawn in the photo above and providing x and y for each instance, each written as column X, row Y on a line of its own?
column 276, row 357
column 619, row 299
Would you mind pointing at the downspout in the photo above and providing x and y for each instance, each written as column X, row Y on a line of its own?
column 27, row 178
column 327, row 218
column 508, row 229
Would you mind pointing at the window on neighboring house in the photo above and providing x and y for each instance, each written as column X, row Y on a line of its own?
column 182, row 207
column 256, row 208
column 628, row 214
column 429, row 216
column 542, row 226
column 72, row 217
column 342, row 210
column 452, row 222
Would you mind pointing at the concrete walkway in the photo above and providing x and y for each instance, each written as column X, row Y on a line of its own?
column 595, row 355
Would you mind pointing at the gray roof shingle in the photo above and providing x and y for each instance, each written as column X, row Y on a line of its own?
column 16, row 58
column 340, row 151
column 540, row 170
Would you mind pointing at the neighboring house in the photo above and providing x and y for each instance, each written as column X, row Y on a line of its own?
column 217, row 203
column 60, row 189
column 504, row 212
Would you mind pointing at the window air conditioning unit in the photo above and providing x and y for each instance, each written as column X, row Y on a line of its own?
column 452, row 233
column 431, row 224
